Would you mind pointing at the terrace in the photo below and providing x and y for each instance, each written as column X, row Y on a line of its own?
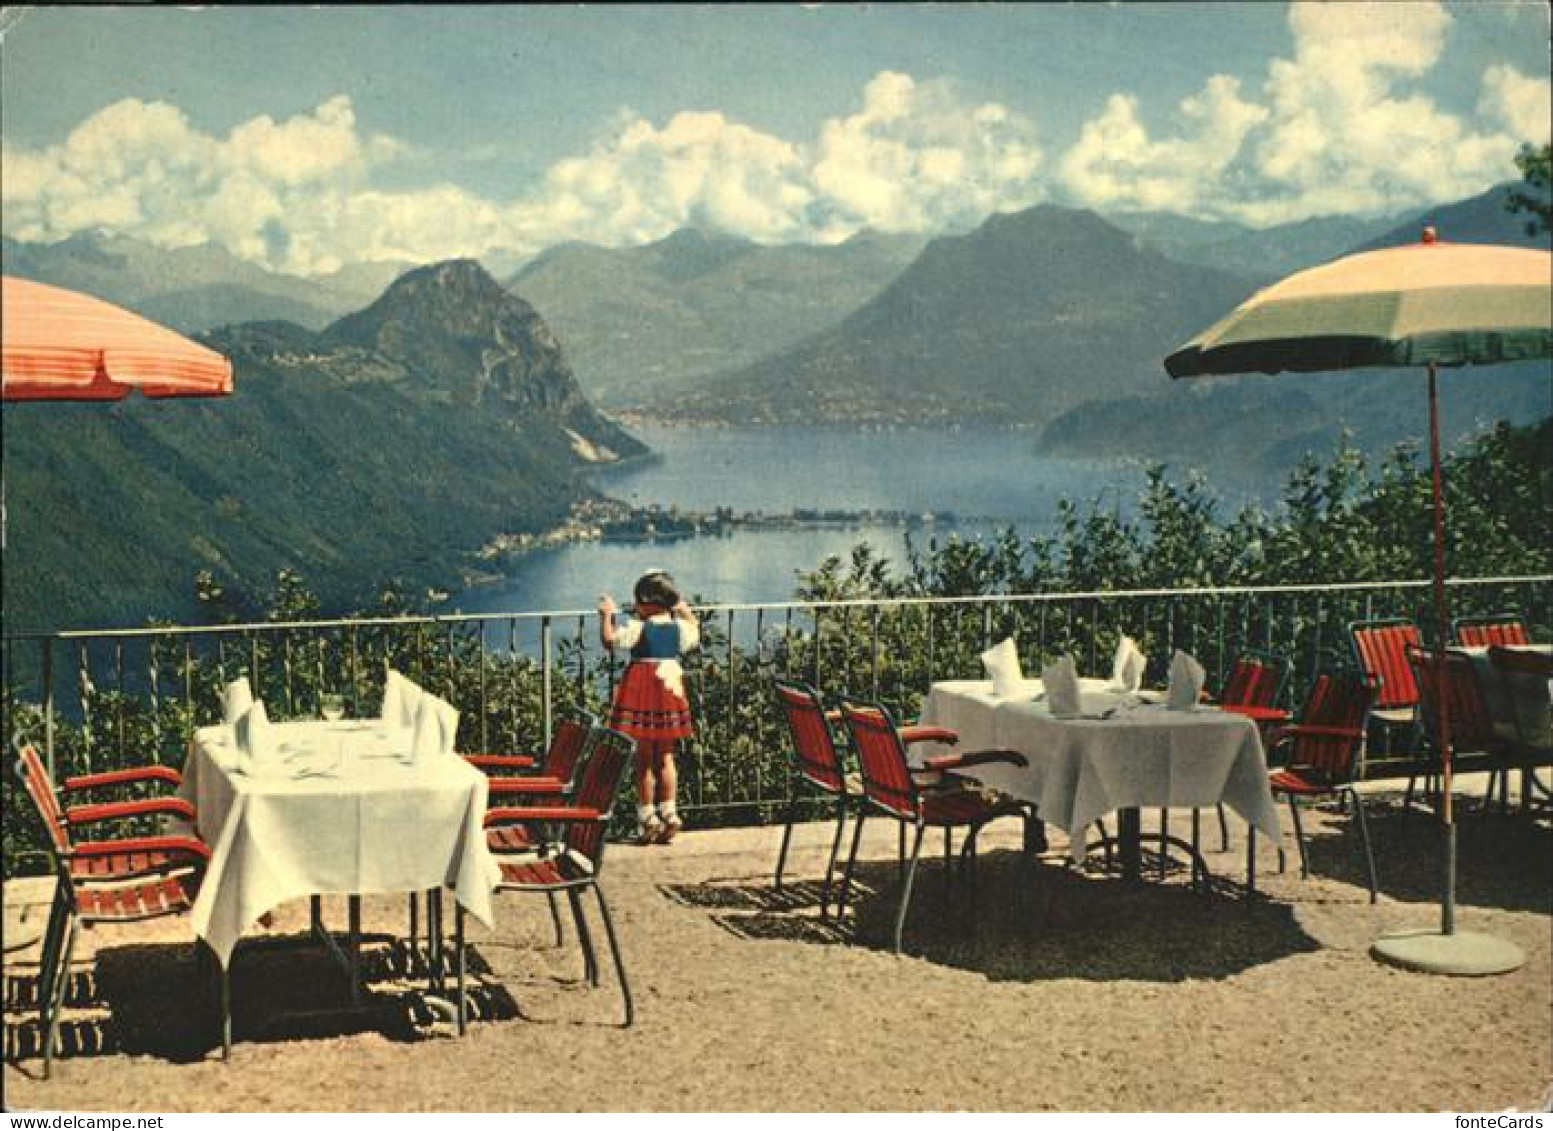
column 1067, row 990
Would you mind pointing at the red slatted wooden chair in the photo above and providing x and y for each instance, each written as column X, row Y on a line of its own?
column 543, row 780
column 123, row 880
column 890, row 788
column 1322, row 752
column 1380, row 647
column 1503, row 630
column 817, row 765
column 574, row 862
column 1472, row 727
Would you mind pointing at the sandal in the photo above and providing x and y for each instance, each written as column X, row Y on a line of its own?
column 652, row 831
column 671, row 827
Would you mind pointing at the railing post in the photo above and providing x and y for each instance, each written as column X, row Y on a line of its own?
column 48, row 705
column 485, row 711
column 545, row 633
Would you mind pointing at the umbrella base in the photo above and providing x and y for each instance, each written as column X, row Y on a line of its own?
column 1464, row 953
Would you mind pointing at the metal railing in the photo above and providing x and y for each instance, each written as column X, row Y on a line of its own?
column 97, row 699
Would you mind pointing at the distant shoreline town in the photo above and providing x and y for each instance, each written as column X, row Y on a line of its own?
column 610, row 520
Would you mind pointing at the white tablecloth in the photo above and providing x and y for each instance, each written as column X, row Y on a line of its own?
column 1082, row 769
column 381, row 824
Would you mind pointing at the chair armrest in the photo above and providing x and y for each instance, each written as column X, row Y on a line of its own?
column 1259, row 714
column 115, row 810
column 125, row 777
column 918, row 733
column 1312, row 730
column 976, row 758
column 562, row 813
column 507, row 786
column 177, row 844
column 501, row 761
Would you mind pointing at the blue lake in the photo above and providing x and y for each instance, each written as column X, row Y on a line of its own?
column 989, row 479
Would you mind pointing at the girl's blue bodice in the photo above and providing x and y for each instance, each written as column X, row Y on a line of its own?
column 657, row 642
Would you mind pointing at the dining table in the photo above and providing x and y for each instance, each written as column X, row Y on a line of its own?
column 335, row 808
column 1123, row 751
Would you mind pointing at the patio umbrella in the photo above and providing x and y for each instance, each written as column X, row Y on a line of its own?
column 62, row 345
column 1428, row 304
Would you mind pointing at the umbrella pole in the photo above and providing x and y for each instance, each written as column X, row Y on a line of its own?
column 1442, row 637
column 1446, row 951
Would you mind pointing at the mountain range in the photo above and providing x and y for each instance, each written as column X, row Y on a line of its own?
column 1002, row 325
column 388, row 445
column 195, row 288
column 639, row 322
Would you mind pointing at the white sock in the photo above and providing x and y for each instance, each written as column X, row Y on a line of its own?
column 643, row 814
column 667, row 811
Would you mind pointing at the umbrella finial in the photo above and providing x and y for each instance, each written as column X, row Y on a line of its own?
column 1430, row 235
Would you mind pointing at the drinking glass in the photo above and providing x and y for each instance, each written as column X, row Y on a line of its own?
column 331, row 706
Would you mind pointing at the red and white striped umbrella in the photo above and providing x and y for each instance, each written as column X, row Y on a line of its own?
column 60, row 345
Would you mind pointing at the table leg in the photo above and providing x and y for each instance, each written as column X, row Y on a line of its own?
column 1129, row 834
column 353, row 947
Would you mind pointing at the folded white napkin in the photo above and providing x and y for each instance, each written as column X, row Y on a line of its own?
column 436, row 727
column 1127, row 668
column 401, row 700
column 1059, row 679
column 256, row 746
column 235, row 700
column 1002, row 664
column 1186, row 683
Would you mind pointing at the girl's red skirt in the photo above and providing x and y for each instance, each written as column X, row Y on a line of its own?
column 646, row 709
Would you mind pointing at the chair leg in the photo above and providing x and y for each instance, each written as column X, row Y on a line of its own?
column 1164, row 850
column 900, row 837
column 1223, row 828
column 61, row 983
column 52, row 938
column 614, row 950
column 948, row 866
column 835, row 847
column 1299, row 837
column 415, row 927
column 846, row 878
column 911, row 875
column 555, row 918
column 787, row 835
column 590, row 961
column 1364, row 839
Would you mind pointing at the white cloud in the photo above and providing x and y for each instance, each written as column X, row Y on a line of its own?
column 299, row 194
column 1520, row 102
column 1338, row 128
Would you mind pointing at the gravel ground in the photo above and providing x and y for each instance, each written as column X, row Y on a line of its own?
column 1065, row 991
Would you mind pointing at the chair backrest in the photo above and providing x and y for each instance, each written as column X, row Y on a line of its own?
column 1336, row 707
column 1380, row 646
column 1486, row 632
column 1526, row 678
column 1255, row 681
column 597, row 786
column 1472, row 728
column 813, row 744
column 569, row 745
column 881, row 756
column 40, row 787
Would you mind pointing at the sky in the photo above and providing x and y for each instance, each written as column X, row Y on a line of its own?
column 306, row 138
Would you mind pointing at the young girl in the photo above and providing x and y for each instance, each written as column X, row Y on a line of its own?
column 650, row 703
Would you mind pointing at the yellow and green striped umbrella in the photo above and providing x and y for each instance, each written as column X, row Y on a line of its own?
column 1450, row 304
